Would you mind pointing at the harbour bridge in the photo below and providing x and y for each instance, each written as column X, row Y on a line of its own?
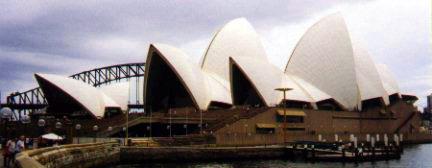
column 34, row 99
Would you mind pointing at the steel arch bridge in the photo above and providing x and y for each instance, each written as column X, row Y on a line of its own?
column 34, row 98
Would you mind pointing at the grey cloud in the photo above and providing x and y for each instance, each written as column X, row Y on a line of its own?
column 57, row 27
column 66, row 37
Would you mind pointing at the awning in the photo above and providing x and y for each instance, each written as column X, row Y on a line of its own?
column 291, row 112
column 262, row 125
column 52, row 136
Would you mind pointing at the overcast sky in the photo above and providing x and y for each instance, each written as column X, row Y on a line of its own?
column 64, row 38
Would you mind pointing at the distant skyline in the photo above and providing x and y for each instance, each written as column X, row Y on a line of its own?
column 64, row 38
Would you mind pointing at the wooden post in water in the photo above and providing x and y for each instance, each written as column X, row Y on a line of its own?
column 373, row 148
column 401, row 143
column 386, row 147
column 397, row 145
column 385, row 140
column 368, row 144
column 356, row 154
column 313, row 153
column 305, row 153
column 343, row 154
column 293, row 152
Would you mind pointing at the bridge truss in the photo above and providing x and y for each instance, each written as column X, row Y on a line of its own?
column 34, row 99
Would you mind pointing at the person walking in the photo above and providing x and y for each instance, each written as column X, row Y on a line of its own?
column 5, row 152
column 20, row 145
column 10, row 145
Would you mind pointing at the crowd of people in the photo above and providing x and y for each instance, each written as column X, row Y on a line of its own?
column 12, row 147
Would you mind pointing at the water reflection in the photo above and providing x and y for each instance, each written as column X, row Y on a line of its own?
column 415, row 156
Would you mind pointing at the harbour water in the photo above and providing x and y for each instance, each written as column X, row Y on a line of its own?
column 415, row 156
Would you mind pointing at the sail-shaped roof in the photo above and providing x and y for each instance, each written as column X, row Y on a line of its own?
column 237, row 39
column 189, row 74
column 326, row 64
column 90, row 98
column 267, row 77
column 368, row 79
column 328, row 58
column 119, row 92
column 324, row 58
column 388, row 80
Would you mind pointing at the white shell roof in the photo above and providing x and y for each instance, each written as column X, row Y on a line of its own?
column 324, row 58
column 388, row 80
column 236, row 39
column 326, row 64
column 190, row 74
column 314, row 93
column 119, row 92
column 266, row 84
column 91, row 98
column 108, row 102
column 328, row 58
column 368, row 79
column 219, row 89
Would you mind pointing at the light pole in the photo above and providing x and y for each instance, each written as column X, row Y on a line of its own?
column 25, row 119
column 77, row 128
column 41, row 124
column 58, row 126
column 168, row 127
column 109, row 130
column 170, row 124
column 186, row 125
column 127, row 127
column 95, row 129
column 284, row 90
column 246, row 131
column 67, row 129
column 149, row 130
column 124, row 131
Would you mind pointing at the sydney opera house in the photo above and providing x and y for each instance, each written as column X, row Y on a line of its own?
column 334, row 87
column 327, row 68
